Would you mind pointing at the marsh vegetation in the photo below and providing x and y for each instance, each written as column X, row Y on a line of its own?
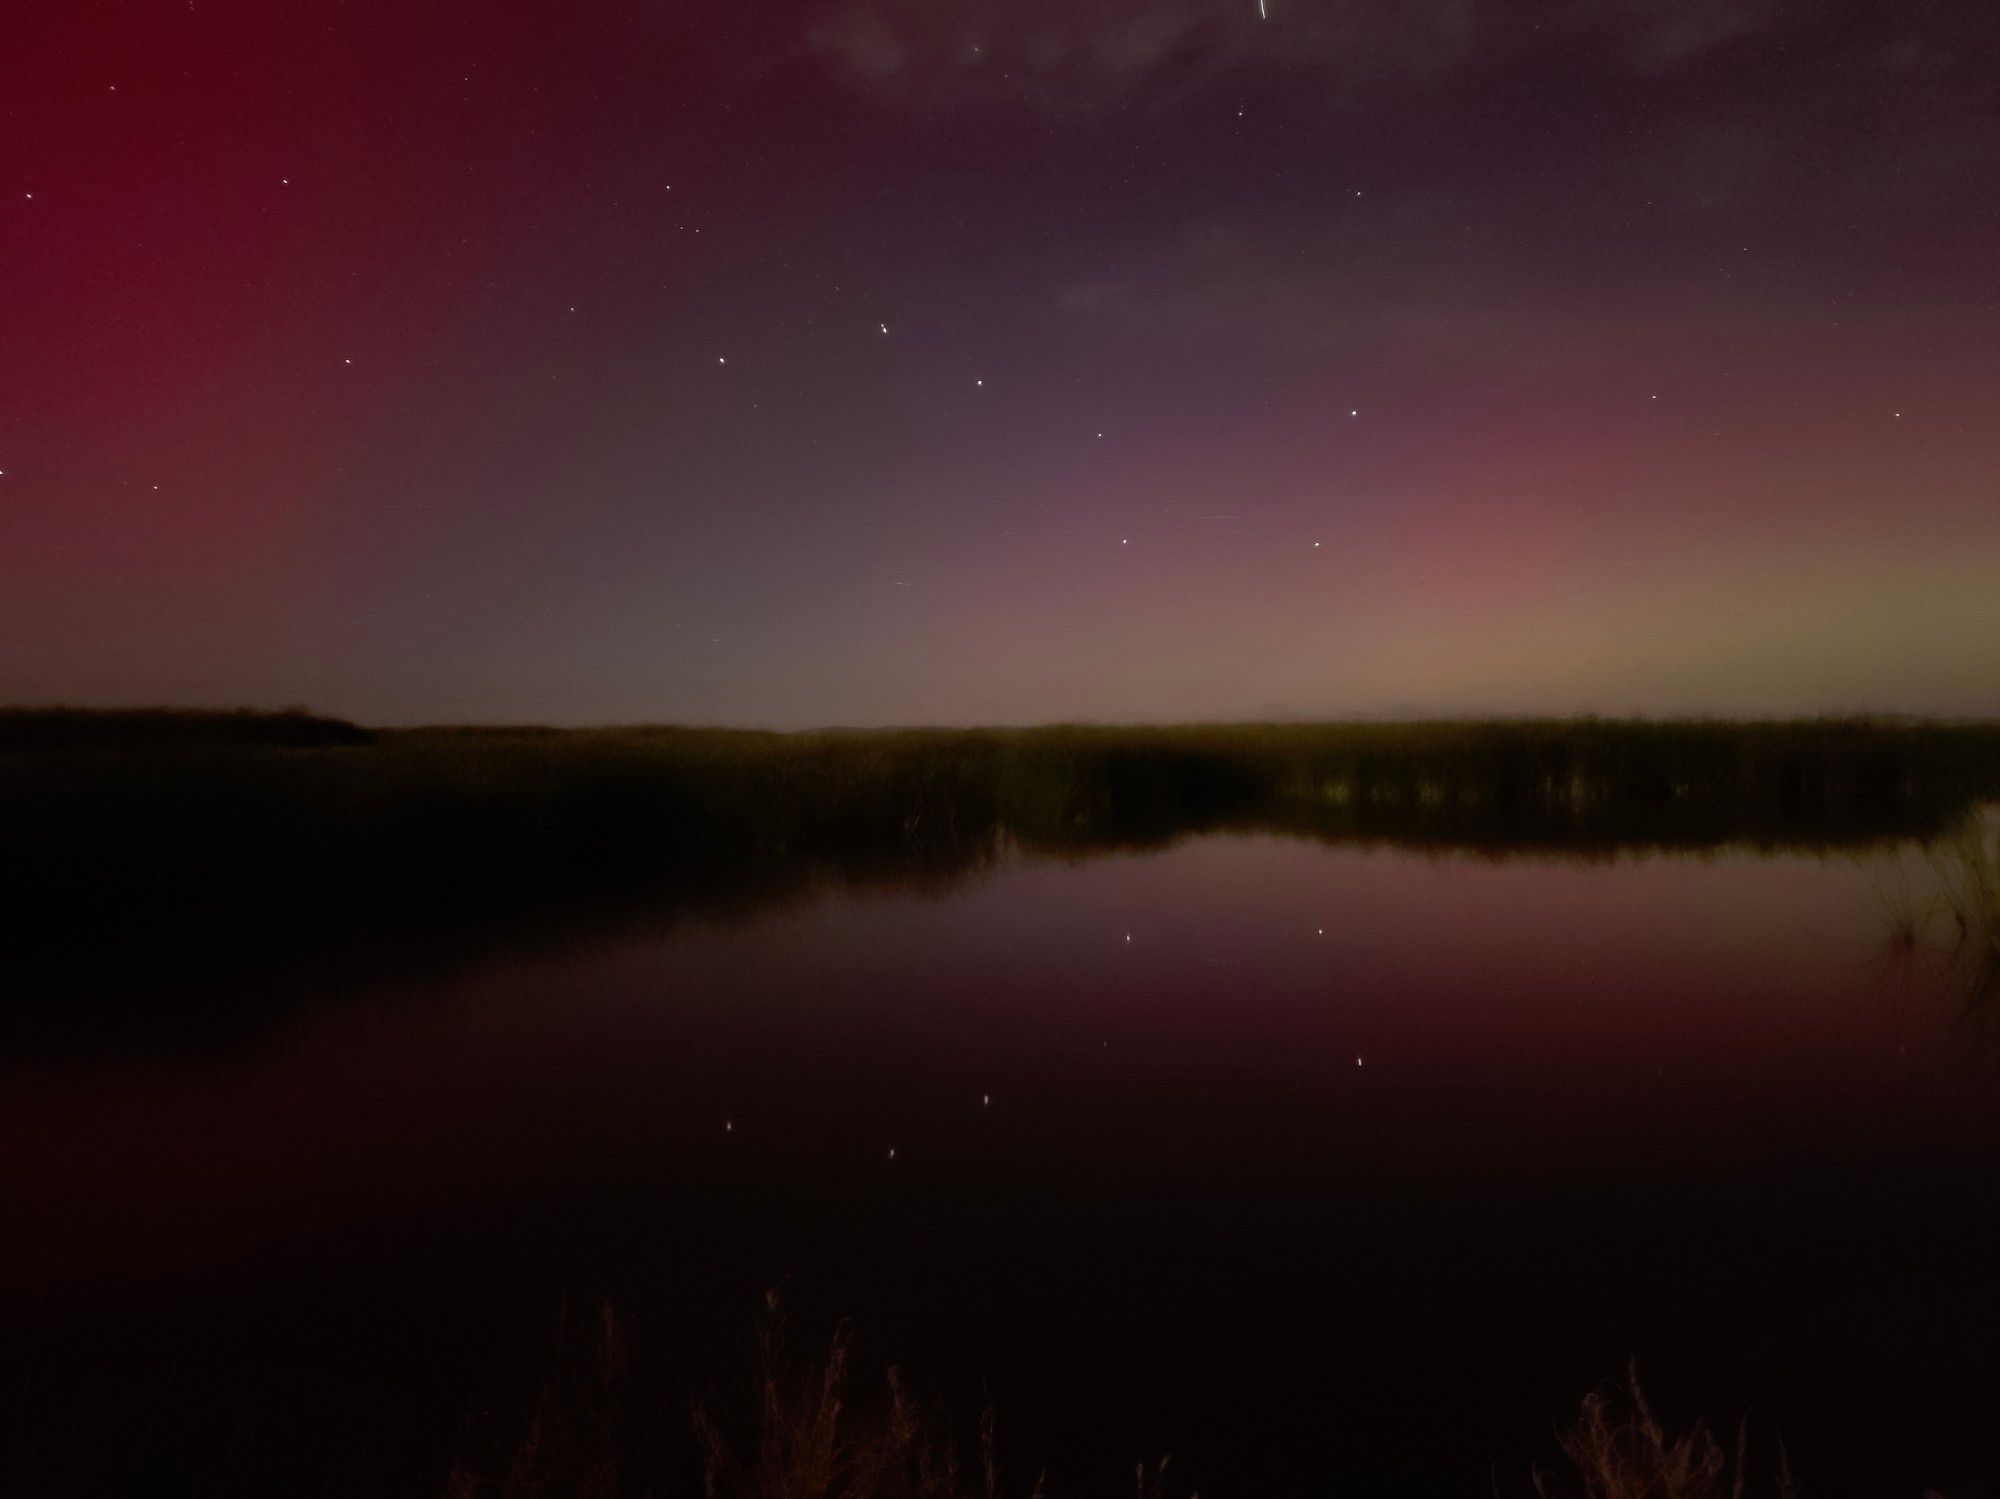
column 154, row 851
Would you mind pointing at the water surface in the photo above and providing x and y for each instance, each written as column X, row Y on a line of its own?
column 1311, row 1164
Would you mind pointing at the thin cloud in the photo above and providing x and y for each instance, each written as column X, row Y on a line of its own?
column 1060, row 55
column 1070, row 57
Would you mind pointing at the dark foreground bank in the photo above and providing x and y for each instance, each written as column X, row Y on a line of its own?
column 785, row 1428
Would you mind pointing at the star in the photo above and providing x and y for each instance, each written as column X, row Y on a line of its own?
column 892, row 1152
column 883, row 326
column 986, row 1100
column 721, row 361
column 1315, row 544
column 1354, row 413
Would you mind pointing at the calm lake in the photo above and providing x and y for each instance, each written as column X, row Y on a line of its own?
column 1323, row 1168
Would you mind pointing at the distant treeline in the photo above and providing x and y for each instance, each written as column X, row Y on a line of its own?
column 146, row 850
column 44, row 730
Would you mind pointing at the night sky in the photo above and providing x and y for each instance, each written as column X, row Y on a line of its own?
column 968, row 361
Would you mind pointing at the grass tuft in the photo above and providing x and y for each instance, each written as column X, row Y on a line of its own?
column 1618, row 1449
column 803, row 1432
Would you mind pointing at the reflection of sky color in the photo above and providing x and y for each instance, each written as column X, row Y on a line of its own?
column 1667, row 1105
column 377, row 363
column 1661, row 1106
column 1697, row 1012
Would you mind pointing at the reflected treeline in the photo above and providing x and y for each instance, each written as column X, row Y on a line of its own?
column 238, row 858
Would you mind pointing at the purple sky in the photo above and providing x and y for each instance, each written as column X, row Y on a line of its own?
column 526, row 360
